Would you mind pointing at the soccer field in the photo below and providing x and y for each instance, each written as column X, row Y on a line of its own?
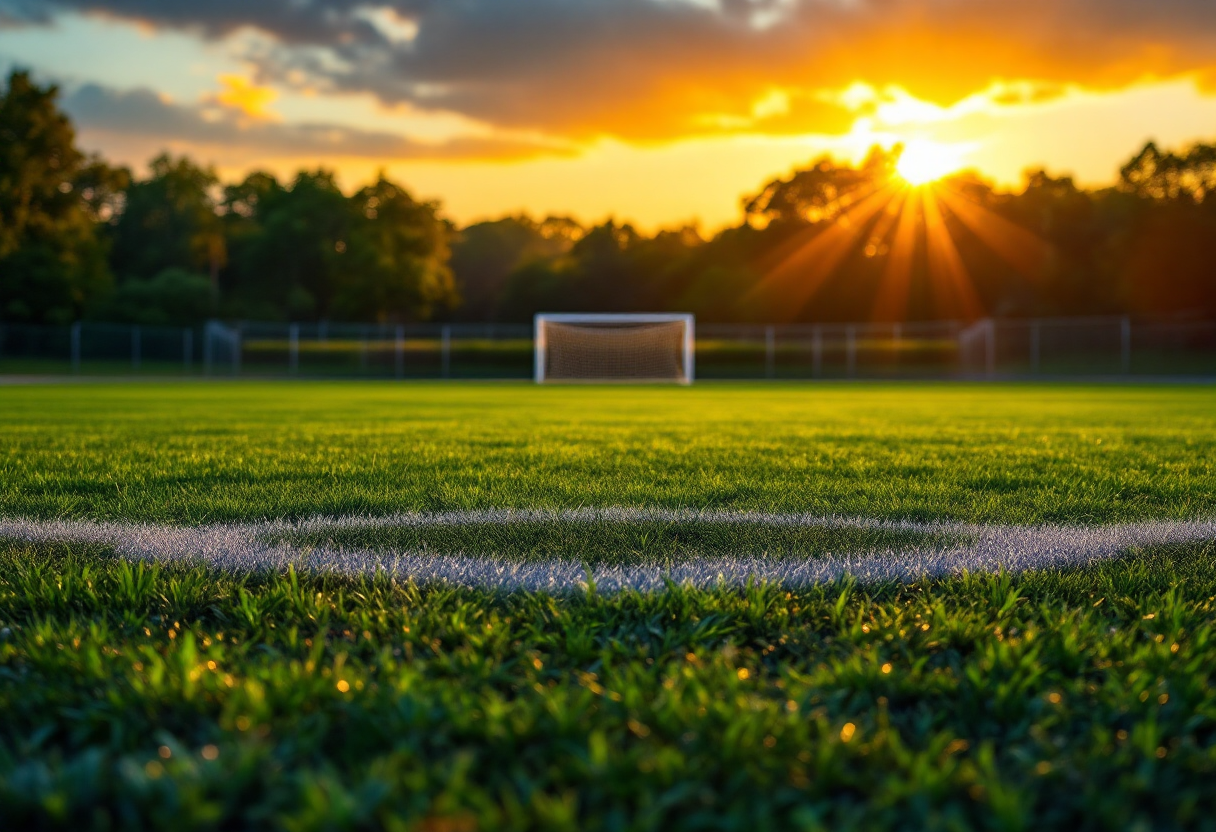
column 479, row 606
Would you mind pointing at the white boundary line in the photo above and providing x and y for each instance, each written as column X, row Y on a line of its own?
column 244, row 547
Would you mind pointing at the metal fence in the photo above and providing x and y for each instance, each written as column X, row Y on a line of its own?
column 992, row 348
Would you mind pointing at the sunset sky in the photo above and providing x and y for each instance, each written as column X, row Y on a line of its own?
column 654, row 111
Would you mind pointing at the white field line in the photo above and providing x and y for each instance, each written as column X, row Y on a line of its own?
column 245, row 547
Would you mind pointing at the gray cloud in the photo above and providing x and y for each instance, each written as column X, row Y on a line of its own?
column 655, row 68
column 143, row 115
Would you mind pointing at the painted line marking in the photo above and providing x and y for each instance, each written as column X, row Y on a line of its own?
column 247, row 547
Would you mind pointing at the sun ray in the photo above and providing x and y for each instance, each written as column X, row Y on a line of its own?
column 1020, row 248
column 912, row 227
column 946, row 266
column 895, row 289
column 803, row 265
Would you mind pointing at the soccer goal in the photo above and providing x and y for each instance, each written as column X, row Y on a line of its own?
column 626, row 348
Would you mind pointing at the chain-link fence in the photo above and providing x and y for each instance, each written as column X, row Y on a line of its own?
column 993, row 348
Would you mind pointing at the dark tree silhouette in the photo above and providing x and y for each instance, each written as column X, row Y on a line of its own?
column 52, row 260
column 829, row 242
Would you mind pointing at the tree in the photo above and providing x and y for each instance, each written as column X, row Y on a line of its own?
column 396, row 264
column 292, row 241
column 830, row 242
column 52, row 262
column 308, row 251
column 169, row 220
column 254, row 284
column 1162, row 175
column 174, row 297
column 485, row 254
column 1163, row 221
column 822, row 191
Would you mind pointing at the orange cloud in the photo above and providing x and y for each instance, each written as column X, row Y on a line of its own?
column 244, row 96
column 142, row 122
column 645, row 70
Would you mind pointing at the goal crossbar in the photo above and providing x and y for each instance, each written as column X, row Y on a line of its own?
column 605, row 350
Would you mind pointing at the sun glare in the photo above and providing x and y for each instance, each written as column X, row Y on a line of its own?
column 923, row 162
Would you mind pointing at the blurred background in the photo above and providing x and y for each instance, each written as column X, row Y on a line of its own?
column 193, row 190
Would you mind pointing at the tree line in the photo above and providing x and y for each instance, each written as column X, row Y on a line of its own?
column 83, row 239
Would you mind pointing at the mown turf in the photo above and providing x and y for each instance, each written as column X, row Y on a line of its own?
column 143, row 697
column 174, row 698
column 610, row 543
column 991, row 453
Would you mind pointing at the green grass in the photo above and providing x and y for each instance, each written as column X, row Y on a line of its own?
column 613, row 542
column 1002, row 453
column 138, row 696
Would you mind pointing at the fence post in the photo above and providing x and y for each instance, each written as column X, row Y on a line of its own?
column 990, row 348
column 1034, row 346
column 690, row 350
column 293, row 349
column 76, row 348
column 187, row 348
column 1125, row 344
column 135, row 348
column 817, row 352
column 399, row 352
column 446, row 350
column 538, row 349
column 770, row 351
column 850, row 336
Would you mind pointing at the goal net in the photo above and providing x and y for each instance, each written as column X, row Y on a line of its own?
column 593, row 348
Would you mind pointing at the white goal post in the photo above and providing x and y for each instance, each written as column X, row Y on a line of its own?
column 620, row 348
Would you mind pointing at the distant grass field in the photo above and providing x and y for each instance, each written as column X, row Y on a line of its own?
column 207, row 452
column 171, row 696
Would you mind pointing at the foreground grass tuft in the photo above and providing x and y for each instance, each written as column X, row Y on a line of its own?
column 139, row 696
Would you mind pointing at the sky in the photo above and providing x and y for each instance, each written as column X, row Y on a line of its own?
column 657, row 112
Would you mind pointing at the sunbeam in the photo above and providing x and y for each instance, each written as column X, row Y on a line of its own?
column 1017, row 246
column 911, row 219
column 946, row 268
column 802, row 266
column 895, row 289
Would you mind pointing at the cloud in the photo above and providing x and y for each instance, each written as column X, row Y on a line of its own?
column 654, row 69
column 146, row 117
column 240, row 94
column 18, row 12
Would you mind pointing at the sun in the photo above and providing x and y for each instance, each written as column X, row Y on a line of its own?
column 923, row 162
